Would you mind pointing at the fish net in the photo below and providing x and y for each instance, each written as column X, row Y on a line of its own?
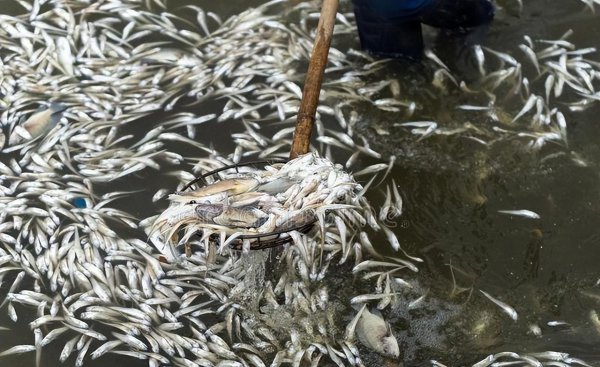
column 281, row 197
column 256, row 241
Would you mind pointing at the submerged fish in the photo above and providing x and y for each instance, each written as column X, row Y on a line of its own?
column 521, row 213
column 506, row 308
column 374, row 332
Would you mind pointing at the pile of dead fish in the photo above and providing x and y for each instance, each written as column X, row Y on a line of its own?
column 250, row 201
column 76, row 76
column 560, row 70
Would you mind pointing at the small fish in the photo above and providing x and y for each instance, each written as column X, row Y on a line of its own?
column 480, row 58
column 550, row 355
column 40, row 122
column 374, row 332
column 245, row 216
column 557, row 323
column 425, row 124
column 531, row 55
column 160, row 194
column 232, row 186
column 415, row 303
column 18, row 349
column 467, row 107
column 506, row 308
column 64, row 55
column 521, row 213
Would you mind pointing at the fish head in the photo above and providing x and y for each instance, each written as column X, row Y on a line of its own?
column 389, row 346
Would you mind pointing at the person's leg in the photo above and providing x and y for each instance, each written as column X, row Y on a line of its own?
column 388, row 37
column 463, row 24
column 459, row 15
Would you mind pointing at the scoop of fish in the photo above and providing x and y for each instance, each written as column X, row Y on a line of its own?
column 259, row 200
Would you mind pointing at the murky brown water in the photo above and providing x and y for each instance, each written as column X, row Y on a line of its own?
column 541, row 267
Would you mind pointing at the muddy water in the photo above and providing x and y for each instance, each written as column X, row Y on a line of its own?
column 546, row 269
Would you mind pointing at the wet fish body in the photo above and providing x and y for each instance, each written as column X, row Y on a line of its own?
column 506, row 308
column 374, row 332
column 521, row 213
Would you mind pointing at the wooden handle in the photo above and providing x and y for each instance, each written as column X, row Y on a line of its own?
column 314, row 77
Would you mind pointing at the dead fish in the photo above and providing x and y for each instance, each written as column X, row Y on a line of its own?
column 245, row 216
column 40, row 122
column 528, row 106
column 521, row 213
column 557, row 323
column 232, row 186
column 64, row 55
column 480, row 57
column 374, row 332
column 506, row 308
column 18, row 349
column 241, row 217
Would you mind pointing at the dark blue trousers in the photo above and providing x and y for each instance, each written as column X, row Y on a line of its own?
column 392, row 28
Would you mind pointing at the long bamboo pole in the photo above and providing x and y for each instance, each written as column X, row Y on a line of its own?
column 314, row 78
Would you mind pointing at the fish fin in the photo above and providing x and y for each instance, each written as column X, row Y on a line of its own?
column 388, row 329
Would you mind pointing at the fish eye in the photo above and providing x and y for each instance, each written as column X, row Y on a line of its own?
column 192, row 202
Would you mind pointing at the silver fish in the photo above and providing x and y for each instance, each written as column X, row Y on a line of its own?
column 506, row 308
column 227, row 187
column 557, row 323
column 18, row 349
column 521, row 213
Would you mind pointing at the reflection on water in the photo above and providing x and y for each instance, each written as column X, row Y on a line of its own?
column 453, row 188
